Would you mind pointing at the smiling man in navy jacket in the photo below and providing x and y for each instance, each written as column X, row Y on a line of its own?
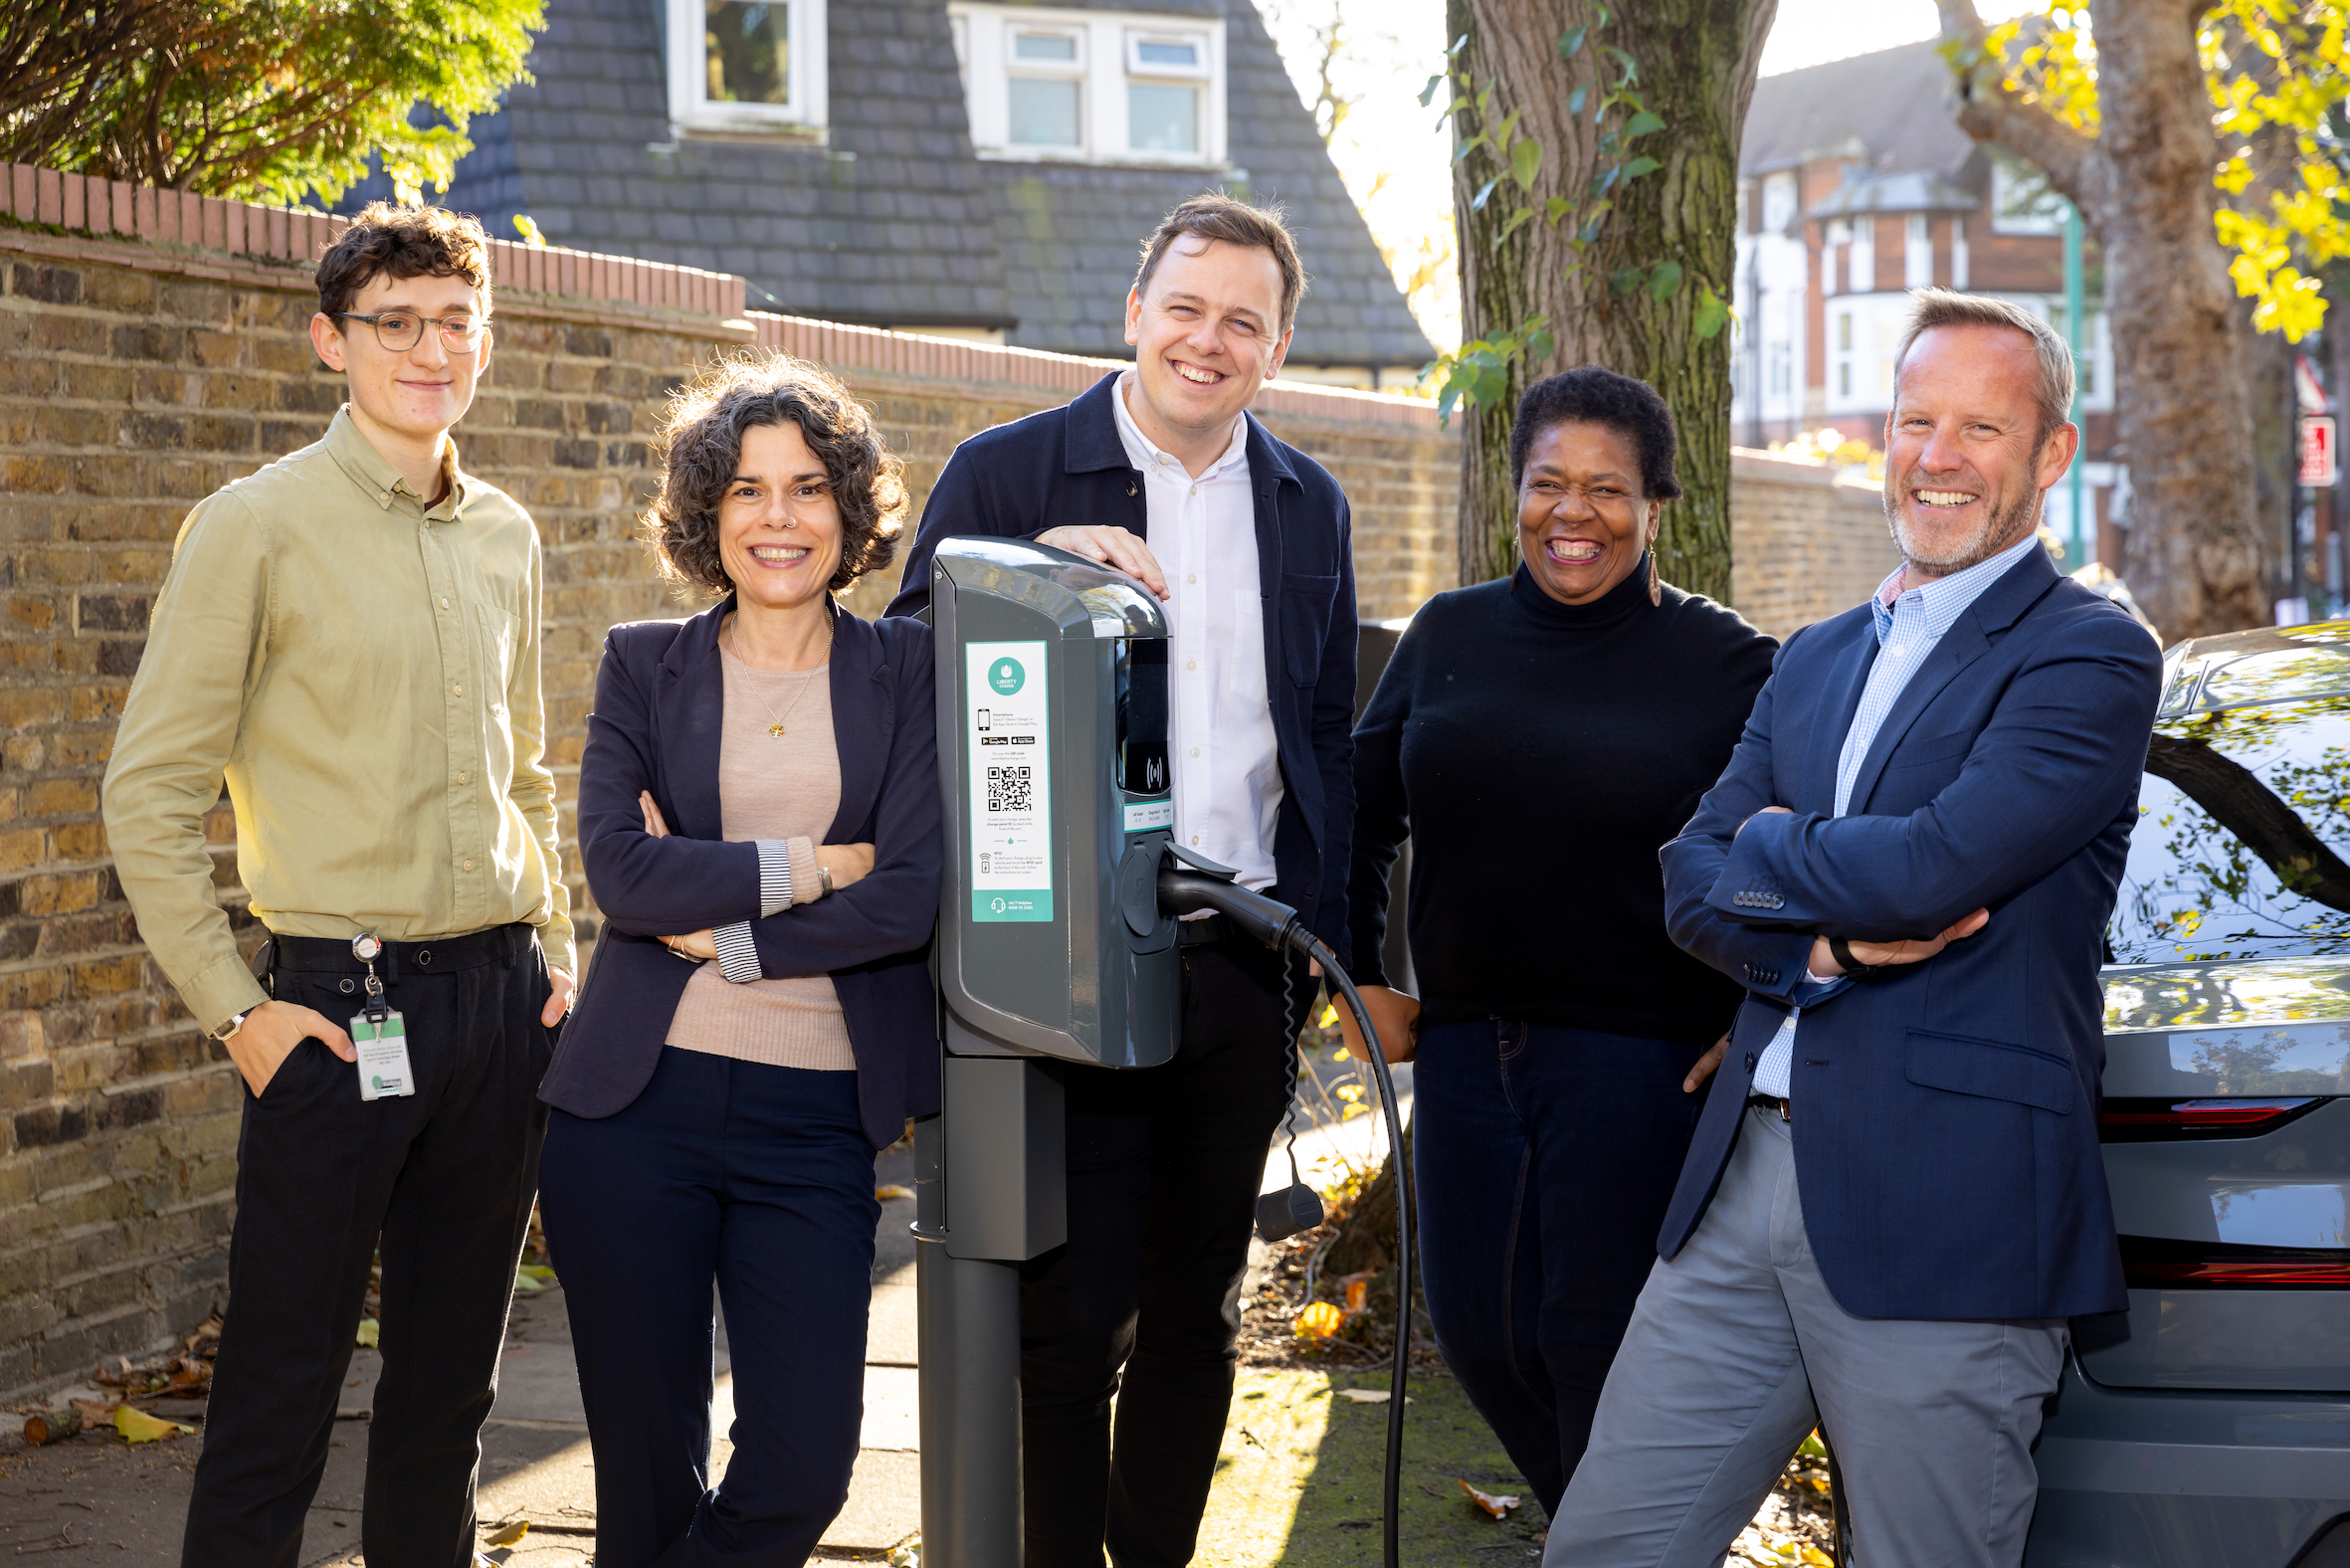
column 1159, row 471
column 1895, row 1196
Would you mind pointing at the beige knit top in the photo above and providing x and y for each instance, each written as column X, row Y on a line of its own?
column 771, row 787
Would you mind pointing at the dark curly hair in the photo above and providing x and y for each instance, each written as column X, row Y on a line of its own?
column 405, row 241
column 700, row 442
column 1591, row 395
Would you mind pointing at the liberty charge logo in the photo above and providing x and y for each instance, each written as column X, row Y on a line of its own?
column 1006, row 676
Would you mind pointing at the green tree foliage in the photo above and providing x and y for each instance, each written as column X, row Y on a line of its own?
column 256, row 99
column 1595, row 181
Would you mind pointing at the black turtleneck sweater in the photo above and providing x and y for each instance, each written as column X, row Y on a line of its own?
column 1539, row 754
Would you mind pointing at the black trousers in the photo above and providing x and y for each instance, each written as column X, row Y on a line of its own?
column 443, row 1181
column 759, row 1177
column 1164, row 1165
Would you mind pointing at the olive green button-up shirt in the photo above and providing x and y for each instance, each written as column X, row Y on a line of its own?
column 363, row 672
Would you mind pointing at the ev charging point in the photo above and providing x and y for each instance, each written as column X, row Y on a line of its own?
column 1051, row 679
column 1054, row 954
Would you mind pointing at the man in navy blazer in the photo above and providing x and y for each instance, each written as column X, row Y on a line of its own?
column 1160, row 471
column 1895, row 1196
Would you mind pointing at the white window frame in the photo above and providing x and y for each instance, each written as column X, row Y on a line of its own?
column 1778, row 202
column 1110, row 57
column 1861, row 259
column 1918, row 252
column 2046, row 217
column 690, row 107
column 1077, row 68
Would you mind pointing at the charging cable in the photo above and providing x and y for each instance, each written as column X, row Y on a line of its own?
column 1189, row 883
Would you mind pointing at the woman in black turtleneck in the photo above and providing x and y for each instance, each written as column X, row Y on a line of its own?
column 1539, row 739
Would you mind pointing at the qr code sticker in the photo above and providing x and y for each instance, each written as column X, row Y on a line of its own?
column 1007, row 789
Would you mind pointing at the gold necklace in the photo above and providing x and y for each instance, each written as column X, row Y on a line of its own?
column 776, row 728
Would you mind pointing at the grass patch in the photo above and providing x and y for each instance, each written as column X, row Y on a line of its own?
column 1298, row 1483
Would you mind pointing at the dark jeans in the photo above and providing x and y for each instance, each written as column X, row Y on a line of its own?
column 1543, row 1158
column 1164, row 1164
column 442, row 1181
column 759, row 1177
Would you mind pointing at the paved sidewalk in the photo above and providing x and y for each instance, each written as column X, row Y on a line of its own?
column 98, row 1492
column 95, row 1490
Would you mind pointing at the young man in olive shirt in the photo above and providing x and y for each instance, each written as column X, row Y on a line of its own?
column 349, row 639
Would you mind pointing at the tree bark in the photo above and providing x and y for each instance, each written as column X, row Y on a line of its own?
column 1696, row 62
column 2194, row 554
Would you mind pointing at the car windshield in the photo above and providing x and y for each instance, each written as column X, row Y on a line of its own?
column 2244, row 816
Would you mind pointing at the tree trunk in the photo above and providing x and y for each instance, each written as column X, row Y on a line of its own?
column 2194, row 554
column 1696, row 63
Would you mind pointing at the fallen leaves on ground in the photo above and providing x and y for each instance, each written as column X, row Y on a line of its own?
column 1370, row 1396
column 1796, row 1523
column 1320, row 1320
column 1497, row 1506
column 370, row 1333
column 512, row 1535
column 893, row 1192
column 909, row 1555
column 139, row 1427
column 529, row 1279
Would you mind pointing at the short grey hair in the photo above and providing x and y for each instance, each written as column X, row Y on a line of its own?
column 1935, row 306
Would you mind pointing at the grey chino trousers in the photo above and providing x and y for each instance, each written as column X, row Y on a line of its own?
column 1737, row 1350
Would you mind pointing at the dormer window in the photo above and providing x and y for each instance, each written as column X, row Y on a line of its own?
column 754, row 65
column 1092, row 86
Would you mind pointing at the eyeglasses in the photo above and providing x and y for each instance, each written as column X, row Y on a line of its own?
column 400, row 331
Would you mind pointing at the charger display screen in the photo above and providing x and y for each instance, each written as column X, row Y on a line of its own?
column 1141, row 698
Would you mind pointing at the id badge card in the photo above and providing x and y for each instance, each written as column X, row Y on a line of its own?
column 383, row 1057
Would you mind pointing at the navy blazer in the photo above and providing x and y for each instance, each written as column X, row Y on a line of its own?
column 1066, row 467
column 1946, row 1117
column 659, row 700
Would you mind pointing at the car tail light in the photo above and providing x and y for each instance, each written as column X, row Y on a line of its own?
column 2147, row 1120
column 2152, row 1262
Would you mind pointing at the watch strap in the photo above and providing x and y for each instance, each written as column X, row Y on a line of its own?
column 1841, row 951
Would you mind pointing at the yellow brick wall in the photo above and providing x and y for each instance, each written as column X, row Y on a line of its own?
column 134, row 381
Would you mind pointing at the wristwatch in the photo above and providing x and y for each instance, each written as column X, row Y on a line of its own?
column 1853, row 968
column 235, row 1022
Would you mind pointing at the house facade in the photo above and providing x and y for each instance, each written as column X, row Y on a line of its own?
column 1856, row 186
column 962, row 167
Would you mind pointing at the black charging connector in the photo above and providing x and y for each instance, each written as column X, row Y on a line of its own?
column 1189, row 883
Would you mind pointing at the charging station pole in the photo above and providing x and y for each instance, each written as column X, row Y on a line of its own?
column 1052, row 957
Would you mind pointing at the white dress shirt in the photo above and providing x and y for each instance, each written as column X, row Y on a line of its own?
column 1909, row 628
column 1203, row 531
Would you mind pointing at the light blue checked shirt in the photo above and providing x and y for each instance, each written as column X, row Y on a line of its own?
column 1908, row 625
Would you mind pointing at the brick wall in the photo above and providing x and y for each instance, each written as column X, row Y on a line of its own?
column 1804, row 547
column 153, row 347
column 145, row 365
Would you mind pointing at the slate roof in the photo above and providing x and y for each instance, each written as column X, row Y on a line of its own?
column 1910, row 190
column 1893, row 104
column 889, row 225
column 896, row 223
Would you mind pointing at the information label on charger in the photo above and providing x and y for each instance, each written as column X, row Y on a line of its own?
column 1007, row 718
column 1145, row 816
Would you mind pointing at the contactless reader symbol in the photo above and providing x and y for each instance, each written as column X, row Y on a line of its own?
column 1006, row 676
column 1154, row 773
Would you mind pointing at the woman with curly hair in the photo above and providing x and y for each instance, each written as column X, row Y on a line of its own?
column 759, row 819
column 1540, row 738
